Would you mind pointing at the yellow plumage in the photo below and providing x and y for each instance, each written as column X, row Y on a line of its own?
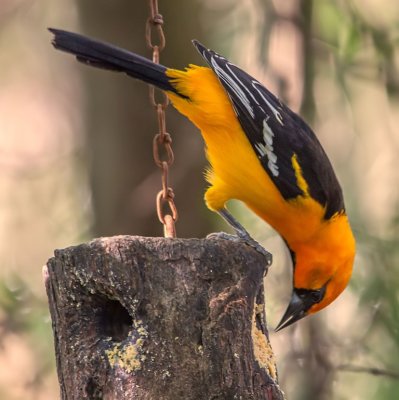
column 236, row 171
column 238, row 174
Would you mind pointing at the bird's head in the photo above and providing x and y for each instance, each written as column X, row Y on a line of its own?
column 322, row 270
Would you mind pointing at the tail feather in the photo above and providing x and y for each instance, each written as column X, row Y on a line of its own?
column 107, row 56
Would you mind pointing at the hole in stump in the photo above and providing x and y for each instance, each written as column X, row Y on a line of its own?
column 114, row 320
column 93, row 390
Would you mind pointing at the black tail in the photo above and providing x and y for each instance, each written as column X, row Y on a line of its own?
column 107, row 56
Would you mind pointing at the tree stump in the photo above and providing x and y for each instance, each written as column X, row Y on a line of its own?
column 154, row 318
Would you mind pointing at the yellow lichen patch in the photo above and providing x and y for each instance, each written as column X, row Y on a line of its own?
column 262, row 349
column 258, row 308
column 128, row 356
column 125, row 358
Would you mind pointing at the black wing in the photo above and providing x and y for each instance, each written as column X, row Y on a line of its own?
column 276, row 133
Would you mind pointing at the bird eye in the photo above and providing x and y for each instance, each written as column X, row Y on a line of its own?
column 311, row 297
column 317, row 295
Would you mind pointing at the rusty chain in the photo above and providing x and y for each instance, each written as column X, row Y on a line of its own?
column 162, row 142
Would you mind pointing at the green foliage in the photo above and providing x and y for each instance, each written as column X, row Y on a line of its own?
column 329, row 21
column 23, row 313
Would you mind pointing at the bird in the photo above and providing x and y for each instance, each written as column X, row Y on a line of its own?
column 260, row 153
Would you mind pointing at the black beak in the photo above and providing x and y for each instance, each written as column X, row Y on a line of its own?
column 296, row 310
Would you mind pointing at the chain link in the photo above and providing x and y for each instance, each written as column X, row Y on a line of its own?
column 162, row 142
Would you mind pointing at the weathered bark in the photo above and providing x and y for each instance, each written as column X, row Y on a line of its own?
column 154, row 318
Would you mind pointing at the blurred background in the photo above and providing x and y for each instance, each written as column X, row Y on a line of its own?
column 76, row 163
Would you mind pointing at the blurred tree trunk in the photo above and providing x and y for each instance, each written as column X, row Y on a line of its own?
column 317, row 378
column 121, row 124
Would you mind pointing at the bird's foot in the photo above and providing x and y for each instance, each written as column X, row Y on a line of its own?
column 223, row 236
column 247, row 239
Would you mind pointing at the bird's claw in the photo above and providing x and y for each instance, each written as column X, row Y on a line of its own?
column 247, row 240
column 224, row 236
column 258, row 247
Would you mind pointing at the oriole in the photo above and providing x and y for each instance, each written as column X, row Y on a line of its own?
column 260, row 153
